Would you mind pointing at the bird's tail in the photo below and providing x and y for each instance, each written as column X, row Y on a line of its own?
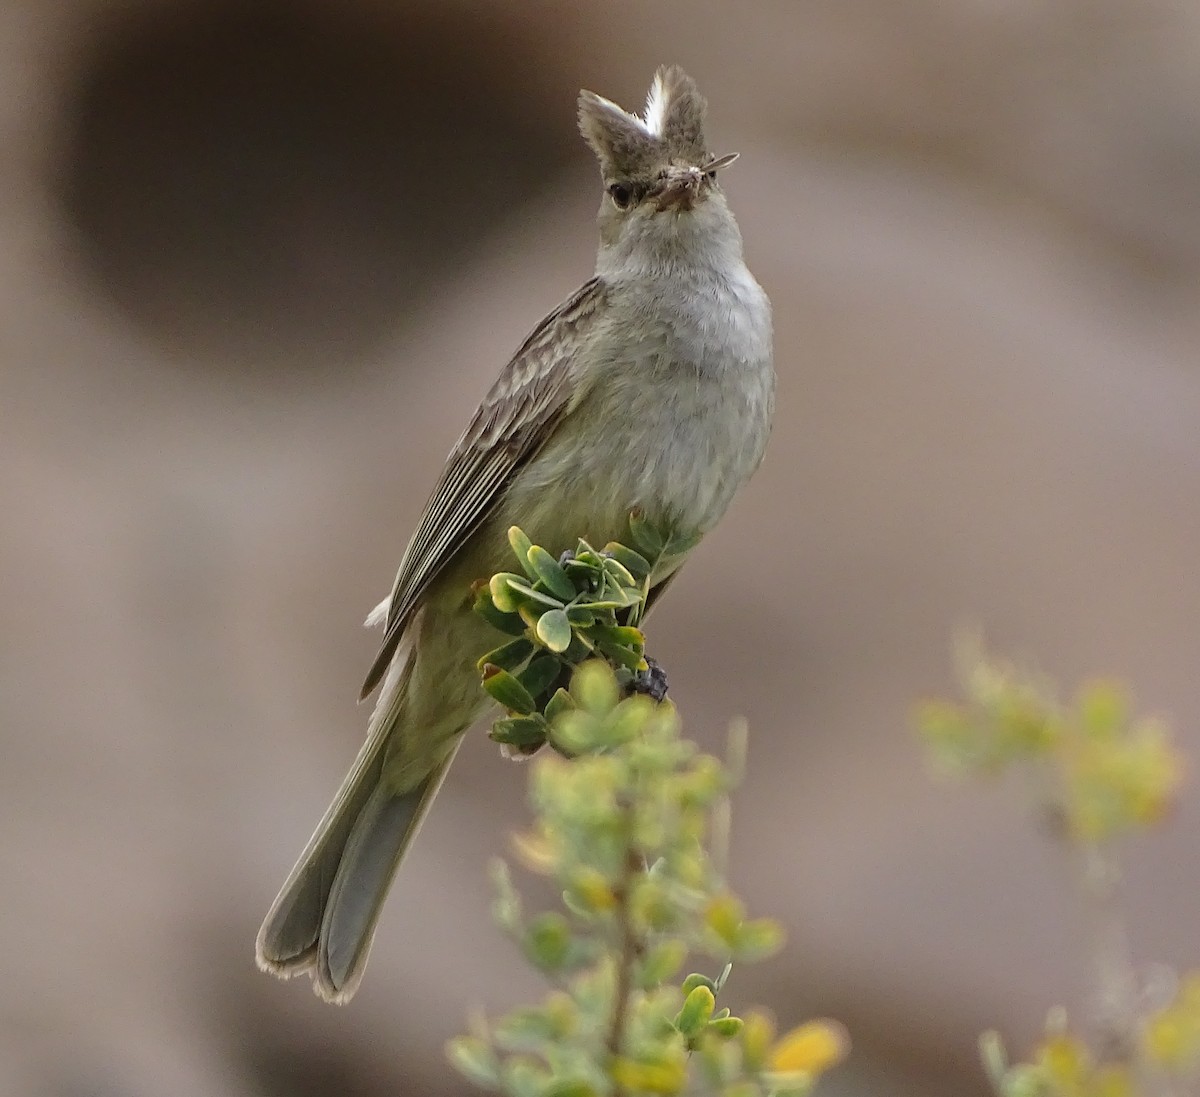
column 324, row 916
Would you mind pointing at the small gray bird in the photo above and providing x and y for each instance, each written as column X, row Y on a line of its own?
column 651, row 386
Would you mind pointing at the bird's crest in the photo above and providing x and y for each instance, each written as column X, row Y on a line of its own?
column 671, row 128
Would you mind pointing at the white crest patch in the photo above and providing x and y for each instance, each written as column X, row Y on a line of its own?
column 654, row 118
column 655, row 115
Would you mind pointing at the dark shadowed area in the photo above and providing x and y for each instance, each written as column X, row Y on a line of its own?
column 255, row 272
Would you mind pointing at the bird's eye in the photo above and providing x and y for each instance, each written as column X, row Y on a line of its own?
column 621, row 194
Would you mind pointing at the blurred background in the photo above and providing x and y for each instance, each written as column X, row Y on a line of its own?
column 257, row 264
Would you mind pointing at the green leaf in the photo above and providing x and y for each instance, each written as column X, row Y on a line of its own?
column 696, row 1012
column 613, row 598
column 724, row 917
column 661, row 961
column 619, row 572
column 645, row 537
column 581, row 648
column 539, row 676
column 580, row 617
column 522, row 1076
column 554, row 630
column 551, row 573
column 533, row 1028
column 521, row 546
column 1104, row 709
column 629, row 719
column 629, row 636
column 520, row 731
column 725, row 1027
column 758, row 939
column 697, row 980
column 575, row 732
column 502, row 592
column 508, row 690
column 748, row 1088
column 570, row 1087
column 582, row 565
column 634, row 562
column 623, row 656
column 521, row 589
column 681, row 545
column 509, row 623
column 561, row 702
column 506, row 907
column 508, row 656
column 474, row 1059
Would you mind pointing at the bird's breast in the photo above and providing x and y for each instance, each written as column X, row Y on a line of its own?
column 675, row 419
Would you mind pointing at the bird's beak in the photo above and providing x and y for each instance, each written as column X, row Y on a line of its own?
column 679, row 190
column 682, row 187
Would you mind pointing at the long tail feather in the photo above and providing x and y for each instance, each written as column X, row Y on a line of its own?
column 325, row 914
column 382, row 834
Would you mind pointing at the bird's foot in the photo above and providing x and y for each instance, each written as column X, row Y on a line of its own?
column 652, row 681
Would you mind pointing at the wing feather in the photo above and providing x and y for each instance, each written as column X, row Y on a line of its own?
column 516, row 417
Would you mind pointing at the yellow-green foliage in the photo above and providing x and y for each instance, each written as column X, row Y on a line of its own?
column 626, row 815
column 1108, row 773
column 1105, row 774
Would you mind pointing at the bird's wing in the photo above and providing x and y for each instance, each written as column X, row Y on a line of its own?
column 516, row 417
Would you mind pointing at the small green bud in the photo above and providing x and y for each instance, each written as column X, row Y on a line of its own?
column 595, row 688
column 548, row 941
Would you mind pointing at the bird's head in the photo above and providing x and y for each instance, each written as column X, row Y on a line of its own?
column 661, row 196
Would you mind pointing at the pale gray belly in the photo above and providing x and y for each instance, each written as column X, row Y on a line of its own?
column 679, row 447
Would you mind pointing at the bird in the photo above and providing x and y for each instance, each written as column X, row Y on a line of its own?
column 651, row 387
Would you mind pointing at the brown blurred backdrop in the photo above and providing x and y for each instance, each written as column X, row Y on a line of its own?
column 257, row 263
